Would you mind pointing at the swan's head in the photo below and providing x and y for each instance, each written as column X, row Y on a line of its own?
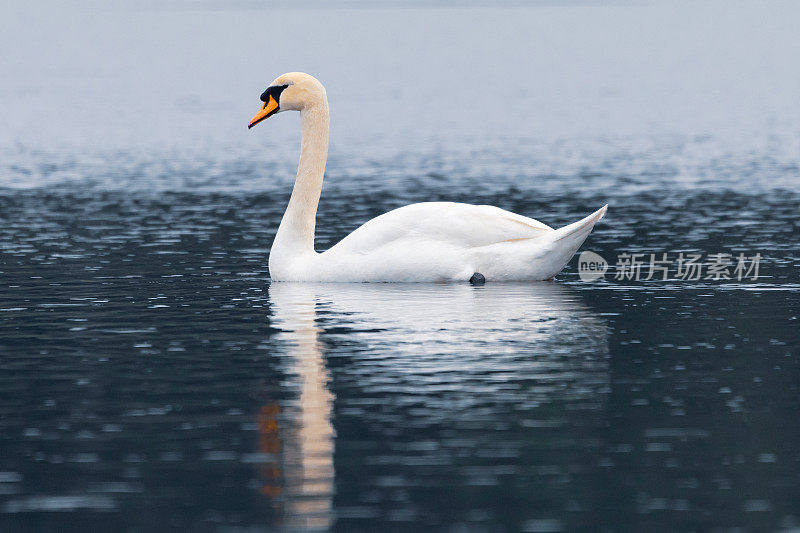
column 292, row 91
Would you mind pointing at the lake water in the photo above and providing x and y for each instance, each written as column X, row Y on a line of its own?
column 151, row 377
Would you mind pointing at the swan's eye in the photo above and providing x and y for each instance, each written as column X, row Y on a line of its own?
column 274, row 91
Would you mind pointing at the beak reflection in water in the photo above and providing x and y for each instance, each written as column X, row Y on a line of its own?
column 450, row 350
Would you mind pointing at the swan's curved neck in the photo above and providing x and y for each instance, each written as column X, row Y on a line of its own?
column 296, row 232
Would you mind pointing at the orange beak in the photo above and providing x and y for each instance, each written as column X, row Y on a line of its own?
column 269, row 109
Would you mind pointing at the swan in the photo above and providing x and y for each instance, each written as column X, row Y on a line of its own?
column 423, row 242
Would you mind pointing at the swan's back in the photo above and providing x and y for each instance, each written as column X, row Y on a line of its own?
column 450, row 223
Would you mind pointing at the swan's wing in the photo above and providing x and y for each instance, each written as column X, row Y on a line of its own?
column 461, row 225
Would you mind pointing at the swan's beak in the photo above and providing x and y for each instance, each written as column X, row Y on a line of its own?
column 269, row 109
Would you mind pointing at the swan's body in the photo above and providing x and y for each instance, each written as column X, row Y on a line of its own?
column 431, row 241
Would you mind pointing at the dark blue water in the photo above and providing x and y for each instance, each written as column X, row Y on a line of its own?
column 151, row 377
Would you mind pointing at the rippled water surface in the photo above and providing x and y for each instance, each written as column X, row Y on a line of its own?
column 151, row 377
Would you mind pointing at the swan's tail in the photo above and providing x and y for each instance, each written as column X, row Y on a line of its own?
column 538, row 258
column 578, row 231
column 564, row 242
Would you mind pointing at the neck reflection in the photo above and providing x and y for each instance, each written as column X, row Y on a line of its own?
column 308, row 440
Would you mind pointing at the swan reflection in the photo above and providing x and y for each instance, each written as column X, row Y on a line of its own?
column 307, row 444
column 448, row 357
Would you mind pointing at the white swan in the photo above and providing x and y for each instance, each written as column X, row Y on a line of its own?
column 431, row 241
